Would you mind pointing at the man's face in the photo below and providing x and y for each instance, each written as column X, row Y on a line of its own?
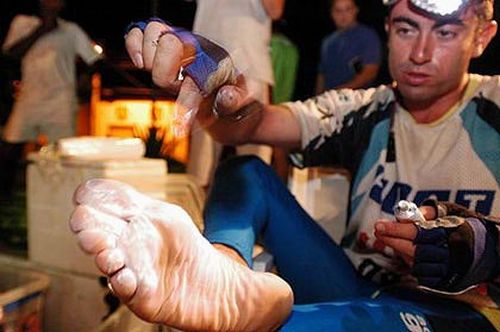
column 344, row 13
column 51, row 6
column 429, row 57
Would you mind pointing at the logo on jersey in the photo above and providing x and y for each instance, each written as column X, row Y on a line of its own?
column 414, row 322
column 477, row 200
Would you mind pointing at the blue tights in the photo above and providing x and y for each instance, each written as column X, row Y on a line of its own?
column 249, row 203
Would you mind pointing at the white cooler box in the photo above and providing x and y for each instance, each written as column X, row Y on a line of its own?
column 72, row 302
column 50, row 188
column 323, row 193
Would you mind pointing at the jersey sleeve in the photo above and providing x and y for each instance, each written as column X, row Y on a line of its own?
column 336, row 125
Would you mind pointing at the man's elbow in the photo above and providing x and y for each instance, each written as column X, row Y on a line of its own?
column 368, row 74
column 276, row 14
column 274, row 8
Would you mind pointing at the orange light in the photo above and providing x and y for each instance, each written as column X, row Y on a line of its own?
column 150, row 120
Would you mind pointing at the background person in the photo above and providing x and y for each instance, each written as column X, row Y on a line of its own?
column 244, row 28
column 48, row 47
column 351, row 55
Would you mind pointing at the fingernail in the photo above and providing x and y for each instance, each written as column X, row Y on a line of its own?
column 225, row 98
column 138, row 61
column 380, row 228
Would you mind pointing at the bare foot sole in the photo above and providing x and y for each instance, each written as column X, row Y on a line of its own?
column 163, row 269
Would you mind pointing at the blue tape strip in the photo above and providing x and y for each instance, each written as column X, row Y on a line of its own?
column 132, row 25
column 142, row 24
column 206, row 61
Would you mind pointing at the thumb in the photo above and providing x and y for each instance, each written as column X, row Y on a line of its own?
column 428, row 212
column 230, row 99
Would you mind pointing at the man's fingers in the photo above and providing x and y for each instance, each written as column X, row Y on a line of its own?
column 228, row 100
column 398, row 236
column 162, row 54
column 409, row 260
column 169, row 57
column 150, row 42
column 405, row 248
column 205, row 66
column 231, row 98
column 428, row 212
column 406, row 231
column 133, row 44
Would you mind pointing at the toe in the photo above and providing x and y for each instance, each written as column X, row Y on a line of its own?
column 93, row 241
column 110, row 261
column 85, row 218
column 124, row 284
column 110, row 196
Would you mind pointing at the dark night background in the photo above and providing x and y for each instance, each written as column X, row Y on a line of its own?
column 306, row 23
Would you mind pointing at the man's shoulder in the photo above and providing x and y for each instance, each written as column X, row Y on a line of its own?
column 331, row 38
column 488, row 86
column 484, row 78
column 332, row 35
column 70, row 26
column 364, row 27
column 367, row 30
column 67, row 23
column 375, row 98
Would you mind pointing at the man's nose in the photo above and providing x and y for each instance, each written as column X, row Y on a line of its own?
column 422, row 49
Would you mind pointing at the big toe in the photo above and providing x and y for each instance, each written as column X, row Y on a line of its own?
column 111, row 196
column 85, row 217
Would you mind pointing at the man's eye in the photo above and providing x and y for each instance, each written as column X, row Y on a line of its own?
column 446, row 34
column 403, row 31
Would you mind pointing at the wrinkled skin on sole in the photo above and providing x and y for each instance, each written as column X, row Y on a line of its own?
column 162, row 268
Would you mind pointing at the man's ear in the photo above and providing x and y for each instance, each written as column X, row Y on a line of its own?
column 386, row 25
column 484, row 37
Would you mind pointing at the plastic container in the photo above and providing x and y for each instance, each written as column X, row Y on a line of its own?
column 22, row 298
column 99, row 148
column 323, row 193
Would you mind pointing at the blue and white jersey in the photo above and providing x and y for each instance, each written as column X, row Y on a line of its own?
column 456, row 158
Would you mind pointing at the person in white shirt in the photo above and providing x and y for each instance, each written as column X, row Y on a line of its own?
column 48, row 47
column 243, row 27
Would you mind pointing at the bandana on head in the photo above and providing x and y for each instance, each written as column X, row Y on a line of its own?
column 435, row 7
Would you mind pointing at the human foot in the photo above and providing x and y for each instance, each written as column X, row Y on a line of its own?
column 161, row 267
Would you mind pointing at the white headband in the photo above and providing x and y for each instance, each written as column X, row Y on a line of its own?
column 436, row 7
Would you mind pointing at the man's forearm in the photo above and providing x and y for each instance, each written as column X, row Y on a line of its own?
column 273, row 125
column 19, row 49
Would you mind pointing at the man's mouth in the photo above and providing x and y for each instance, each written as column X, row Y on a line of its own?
column 415, row 78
